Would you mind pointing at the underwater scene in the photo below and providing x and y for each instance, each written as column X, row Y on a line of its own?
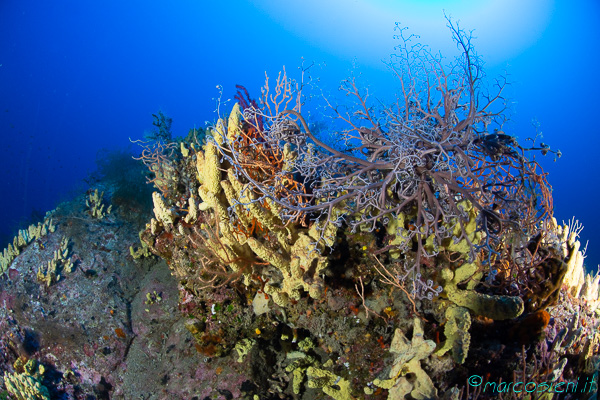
column 294, row 200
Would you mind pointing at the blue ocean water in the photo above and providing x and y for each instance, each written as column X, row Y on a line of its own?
column 77, row 77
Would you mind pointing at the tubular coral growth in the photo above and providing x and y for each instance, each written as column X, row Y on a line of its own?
column 491, row 306
column 234, row 233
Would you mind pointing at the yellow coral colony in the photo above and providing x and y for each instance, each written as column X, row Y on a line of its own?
column 409, row 354
column 23, row 239
column 95, row 206
column 290, row 251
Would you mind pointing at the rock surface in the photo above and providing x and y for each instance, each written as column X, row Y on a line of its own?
column 110, row 329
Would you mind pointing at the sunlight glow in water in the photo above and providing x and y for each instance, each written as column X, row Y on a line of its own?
column 364, row 28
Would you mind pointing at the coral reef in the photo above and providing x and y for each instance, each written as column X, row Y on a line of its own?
column 226, row 222
column 278, row 239
column 298, row 269
column 243, row 259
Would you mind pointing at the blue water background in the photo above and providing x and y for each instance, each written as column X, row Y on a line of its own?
column 77, row 76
